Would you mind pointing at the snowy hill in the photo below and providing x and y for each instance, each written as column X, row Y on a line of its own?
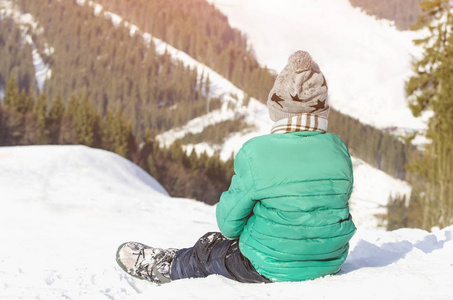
column 365, row 60
column 65, row 209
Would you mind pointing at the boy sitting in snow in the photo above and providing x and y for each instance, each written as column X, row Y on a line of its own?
column 285, row 216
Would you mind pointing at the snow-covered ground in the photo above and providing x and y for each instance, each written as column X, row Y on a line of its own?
column 65, row 209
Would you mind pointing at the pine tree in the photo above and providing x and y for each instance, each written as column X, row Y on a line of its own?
column 40, row 114
column 35, row 123
column 13, row 120
column 11, row 98
column 117, row 134
column 25, row 103
column 397, row 212
column 87, row 123
column 152, row 170
column 193, row 158
column 55, row 118
column 145, row 155
column 430, row 89
column 68, row 134
column 177, row 153
column 207, row 87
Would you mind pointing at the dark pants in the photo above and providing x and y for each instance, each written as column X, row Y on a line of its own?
column 214, row 254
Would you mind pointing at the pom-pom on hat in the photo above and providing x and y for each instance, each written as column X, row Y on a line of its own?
column 300, row 88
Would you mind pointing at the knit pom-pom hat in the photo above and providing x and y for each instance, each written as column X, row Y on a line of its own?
column 300, row 88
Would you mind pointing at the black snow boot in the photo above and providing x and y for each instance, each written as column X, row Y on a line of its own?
column 146, row 262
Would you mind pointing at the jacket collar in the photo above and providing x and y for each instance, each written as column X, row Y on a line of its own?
column 303, row 122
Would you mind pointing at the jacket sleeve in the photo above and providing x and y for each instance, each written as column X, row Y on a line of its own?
column 237, row 203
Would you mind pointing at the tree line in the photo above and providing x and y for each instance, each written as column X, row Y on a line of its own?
column 26, row 120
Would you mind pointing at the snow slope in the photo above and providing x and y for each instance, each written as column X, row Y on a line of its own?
column 65, row 209
column 366, row 61
column 219, row 87
column 29, row 26
column 372, row 189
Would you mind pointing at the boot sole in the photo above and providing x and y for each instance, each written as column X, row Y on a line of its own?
column 159, row 276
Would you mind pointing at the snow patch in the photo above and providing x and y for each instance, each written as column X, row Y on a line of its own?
column 48, row 50
column 97, row 9
column 194, row 126
column 200, row 148
column 116, row 19
column 42, row 70
column 371, row 192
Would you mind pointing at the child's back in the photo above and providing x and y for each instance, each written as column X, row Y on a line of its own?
column 300, row 186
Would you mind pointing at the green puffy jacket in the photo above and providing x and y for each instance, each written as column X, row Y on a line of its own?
column 288, row 204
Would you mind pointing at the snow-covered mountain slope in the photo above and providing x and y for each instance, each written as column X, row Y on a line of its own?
column 219, row 86
column 372, row 189
column 28, row 27
column 366, row 61
column 65, row 209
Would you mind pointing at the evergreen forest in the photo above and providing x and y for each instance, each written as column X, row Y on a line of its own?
column 199, row 29
column 105, row 63
column 110, row 89
column 26, row 120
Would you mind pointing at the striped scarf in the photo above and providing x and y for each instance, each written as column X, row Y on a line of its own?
column 303, row 122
